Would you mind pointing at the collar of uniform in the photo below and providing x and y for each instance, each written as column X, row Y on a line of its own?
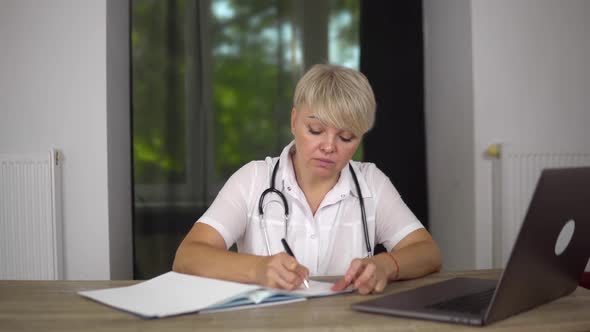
column 345, row 174
column 287, row 174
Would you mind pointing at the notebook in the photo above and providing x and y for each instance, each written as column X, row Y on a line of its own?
column 175, row 293
column 546, row 262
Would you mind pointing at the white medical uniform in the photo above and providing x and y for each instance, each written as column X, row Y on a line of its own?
column 326, row 242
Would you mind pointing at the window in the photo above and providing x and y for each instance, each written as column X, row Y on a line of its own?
column 212, row 90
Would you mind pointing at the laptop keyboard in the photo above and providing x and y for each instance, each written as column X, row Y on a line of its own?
column 474, row 303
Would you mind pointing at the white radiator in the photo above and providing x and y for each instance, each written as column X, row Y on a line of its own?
column 30, row 216
column 516, row 171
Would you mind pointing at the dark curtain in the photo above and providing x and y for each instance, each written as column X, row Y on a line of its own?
column 392, row 60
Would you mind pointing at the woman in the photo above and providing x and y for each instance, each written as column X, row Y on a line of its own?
column 323, row 189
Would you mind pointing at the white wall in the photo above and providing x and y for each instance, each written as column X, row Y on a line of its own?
column 449, row 128
column 53, row 93
column 530, row 67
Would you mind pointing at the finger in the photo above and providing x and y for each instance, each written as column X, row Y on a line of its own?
column 291, row 271
column 302, row 271
column 366, row 276
column 292, row 277
column 367, row 280
column 277, row 280
column 356, row 266
column 365, row 289
column 277, row 272
column 287, row 262
column 290, row 264
column 368, row 286
column 340, row 285
column 380, row 285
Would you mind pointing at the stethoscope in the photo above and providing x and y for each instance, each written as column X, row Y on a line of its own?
column 272, row 189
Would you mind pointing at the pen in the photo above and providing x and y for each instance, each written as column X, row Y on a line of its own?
column 288, row 250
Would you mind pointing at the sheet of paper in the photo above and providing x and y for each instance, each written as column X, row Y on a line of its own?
column 169, row 294
column 319, row 288
column 175, row 293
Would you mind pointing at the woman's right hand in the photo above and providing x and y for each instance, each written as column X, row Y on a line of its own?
column 280, row 271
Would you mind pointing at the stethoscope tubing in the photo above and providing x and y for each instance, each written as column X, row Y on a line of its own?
column 272, row 189
column 363, row 214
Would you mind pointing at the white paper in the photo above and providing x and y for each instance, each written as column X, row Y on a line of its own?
column 175, row 293
column 319, row 288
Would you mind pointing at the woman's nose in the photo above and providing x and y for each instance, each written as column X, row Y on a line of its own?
column 328, row 145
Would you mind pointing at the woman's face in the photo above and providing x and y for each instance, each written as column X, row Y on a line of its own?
column 321, row 150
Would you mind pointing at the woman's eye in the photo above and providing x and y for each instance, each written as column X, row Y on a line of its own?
column 346, row 139
column 314, row 132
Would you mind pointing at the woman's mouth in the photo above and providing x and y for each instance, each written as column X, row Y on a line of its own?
column 324, row 162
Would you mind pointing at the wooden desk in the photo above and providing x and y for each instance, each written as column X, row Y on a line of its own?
column 55, row 306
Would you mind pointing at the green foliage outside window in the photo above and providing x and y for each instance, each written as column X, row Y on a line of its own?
column 255, row 62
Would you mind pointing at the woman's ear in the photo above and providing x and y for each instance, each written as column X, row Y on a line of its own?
column 293, row 119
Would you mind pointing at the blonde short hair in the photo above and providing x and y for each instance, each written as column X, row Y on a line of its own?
column 339, row 97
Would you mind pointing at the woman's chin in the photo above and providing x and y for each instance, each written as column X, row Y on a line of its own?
column 325, row 172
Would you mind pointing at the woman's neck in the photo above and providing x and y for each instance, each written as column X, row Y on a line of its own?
column 314, row 188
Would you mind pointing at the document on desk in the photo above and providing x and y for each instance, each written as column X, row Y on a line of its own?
column 175, row 293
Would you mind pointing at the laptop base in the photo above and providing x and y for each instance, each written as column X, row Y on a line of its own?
column 420, row 302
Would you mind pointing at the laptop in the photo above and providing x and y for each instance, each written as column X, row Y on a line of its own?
column 546, row 262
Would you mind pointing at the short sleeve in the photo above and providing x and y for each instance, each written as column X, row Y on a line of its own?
column 393, row 218
column 228, row 213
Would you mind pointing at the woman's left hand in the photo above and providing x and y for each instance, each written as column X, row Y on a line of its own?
column 369, row 275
